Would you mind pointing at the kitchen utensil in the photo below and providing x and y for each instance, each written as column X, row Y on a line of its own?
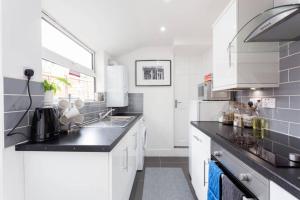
column 79, row 104
column 69, row 113
column 63, row 104
column 45, row 124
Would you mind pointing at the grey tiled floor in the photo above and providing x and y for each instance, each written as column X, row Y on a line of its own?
column 181, row 162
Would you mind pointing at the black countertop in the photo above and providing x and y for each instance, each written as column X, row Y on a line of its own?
column 287, row 178
column 83, row 140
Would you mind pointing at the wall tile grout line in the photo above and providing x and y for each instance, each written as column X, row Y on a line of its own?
column 285, row 117
column 15, row 89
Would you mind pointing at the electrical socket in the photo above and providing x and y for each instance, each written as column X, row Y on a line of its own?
column 268, row 102
column 29, row 73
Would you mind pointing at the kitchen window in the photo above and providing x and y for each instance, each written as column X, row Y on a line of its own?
column 63, row 55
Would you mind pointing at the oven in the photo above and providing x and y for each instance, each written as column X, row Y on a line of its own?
column 254, row 185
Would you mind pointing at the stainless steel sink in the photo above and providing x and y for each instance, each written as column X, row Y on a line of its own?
column 112, row 121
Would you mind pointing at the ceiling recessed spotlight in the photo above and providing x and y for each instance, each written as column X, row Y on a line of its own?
column 167, row 1
column 162, row 29
column 253, row 88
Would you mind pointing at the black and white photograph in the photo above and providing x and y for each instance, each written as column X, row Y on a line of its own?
column 153, row 73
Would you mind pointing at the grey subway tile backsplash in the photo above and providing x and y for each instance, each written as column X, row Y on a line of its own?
column 292, row 88
column 295, row 102
column 17, row 103
column 287, row 115
column 266, row 112
column 91, row 110
column 282, row 101
column 17, row 138
column 284, row 76
column 135, row 103
column 284, row 51
column 285, row 118
column 10, row 119
column 19, row 86
column 266, row 92
column 295, row 130
column 278, row 126
column 294, row 74
column 290, row 62
column 294, row 47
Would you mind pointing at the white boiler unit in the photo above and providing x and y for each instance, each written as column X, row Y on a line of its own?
column 117, row 86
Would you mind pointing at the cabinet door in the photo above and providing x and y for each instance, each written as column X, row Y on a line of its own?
column 224, row 31
column 119, row 171
column 199, row 158
column 278, row 193
column 132, row 156
column 205, row 158
column 197, row 165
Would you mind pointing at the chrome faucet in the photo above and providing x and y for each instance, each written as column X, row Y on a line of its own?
column 103, row 115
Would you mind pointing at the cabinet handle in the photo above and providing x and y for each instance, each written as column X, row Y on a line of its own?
column 197, row 138
column 217, row 153
column 229, row 54
column 127, row 158
column 124, row 158
column 244, row 177
column 204, row 171
column 135, row 140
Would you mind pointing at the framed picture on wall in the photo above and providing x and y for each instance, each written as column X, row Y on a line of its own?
column 153, row 73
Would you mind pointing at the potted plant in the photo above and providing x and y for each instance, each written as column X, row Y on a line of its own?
column 50, row 89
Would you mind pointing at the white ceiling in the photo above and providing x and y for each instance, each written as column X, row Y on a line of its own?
column 119, row 26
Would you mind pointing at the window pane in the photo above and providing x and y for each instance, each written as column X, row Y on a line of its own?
column 82, row 86
column 58, row 42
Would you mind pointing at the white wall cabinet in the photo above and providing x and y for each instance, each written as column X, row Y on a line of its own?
column 278, row 193
column 83, row 175
column 199, row 158
column 242, row 66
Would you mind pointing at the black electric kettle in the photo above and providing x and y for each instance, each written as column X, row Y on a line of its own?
column 45, row 124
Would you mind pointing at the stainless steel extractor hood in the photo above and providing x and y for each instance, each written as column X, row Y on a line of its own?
column 277, row 24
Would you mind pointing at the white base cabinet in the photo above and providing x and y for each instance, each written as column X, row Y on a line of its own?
column 198, row 159
column 83, row 175
column 278, row 193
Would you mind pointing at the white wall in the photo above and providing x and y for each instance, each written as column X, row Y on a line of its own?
column 101, row 61
column 158, row 101
column 20, row 48
column 194, row 62
column 21, row 37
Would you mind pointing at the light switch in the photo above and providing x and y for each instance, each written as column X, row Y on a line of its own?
column 268, row 102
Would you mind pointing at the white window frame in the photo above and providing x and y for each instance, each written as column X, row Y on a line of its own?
column 61, row 60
